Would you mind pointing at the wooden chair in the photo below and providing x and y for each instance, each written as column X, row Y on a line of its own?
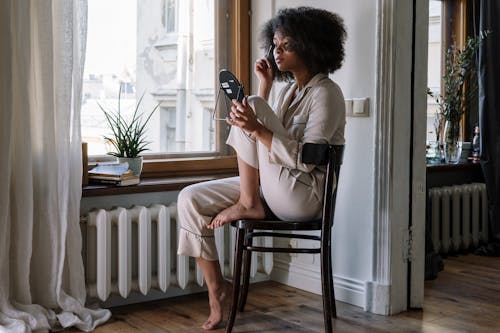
column 319, row 154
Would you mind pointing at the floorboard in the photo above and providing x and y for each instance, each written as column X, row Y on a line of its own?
column 465, row 297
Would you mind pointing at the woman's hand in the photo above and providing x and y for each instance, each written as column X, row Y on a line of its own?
column 243, row 116
column 264, row 72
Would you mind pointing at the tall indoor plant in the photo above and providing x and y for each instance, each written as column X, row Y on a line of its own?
column 460, row 70
column 129, row 136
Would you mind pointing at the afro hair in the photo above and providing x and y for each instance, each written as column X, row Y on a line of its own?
column 317, row 36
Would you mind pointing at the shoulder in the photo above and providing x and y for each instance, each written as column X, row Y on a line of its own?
column 325, row 89
column 326, row 95
column 325, row 85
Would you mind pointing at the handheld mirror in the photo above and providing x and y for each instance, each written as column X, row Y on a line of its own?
column 230, row 85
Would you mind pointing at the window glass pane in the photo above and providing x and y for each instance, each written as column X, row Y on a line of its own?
column 170, row 15
column 163, row 50
column 434, row 65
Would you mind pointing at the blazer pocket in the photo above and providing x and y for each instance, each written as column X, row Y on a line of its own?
column 298, row 126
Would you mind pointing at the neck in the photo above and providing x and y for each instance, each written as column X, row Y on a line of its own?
column 302, row 78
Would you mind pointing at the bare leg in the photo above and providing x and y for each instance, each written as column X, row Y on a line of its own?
column 218, row 290
column 249, row 204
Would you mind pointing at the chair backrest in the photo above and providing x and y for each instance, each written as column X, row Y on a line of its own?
column 320, row 153
column 337, row 159
column 332, row 156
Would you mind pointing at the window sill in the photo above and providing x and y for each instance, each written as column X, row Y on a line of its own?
column 160, row 175
column 152, row 185
column 185, row 167
column 453, row 174
column 459, row 166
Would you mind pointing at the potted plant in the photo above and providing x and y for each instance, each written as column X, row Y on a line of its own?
column 129, row 135
column 460, row 68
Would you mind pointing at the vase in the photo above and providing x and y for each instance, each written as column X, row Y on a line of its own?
column 452, row 143
column 452, row 152
column 134, row 164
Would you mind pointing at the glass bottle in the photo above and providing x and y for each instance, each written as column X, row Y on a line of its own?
column 476, row 144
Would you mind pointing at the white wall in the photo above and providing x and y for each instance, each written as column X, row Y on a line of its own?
column 353, row 230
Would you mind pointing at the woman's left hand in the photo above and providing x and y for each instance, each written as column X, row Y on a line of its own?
column 243, row 116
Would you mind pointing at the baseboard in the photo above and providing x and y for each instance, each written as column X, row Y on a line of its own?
column 308, row 278
column 378, row 298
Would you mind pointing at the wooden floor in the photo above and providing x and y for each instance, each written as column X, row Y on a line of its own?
column 464, row 298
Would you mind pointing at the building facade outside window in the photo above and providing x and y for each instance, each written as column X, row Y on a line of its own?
column 164, row 50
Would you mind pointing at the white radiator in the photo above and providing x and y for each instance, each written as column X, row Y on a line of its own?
column 136, row 249
column 458, row 217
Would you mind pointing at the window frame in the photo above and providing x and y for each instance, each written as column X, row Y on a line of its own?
column 223, row 160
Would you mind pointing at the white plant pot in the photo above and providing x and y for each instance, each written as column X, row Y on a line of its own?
column 134, row 164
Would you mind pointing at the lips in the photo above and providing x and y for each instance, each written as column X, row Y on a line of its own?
column 278, row 60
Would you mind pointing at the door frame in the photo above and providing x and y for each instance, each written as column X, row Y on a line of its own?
column 399, row 220
column 420, row 56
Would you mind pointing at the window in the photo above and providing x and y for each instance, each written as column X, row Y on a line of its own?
column 450, row 23
column 169, row 51
column 434, row 65
column 170, row 16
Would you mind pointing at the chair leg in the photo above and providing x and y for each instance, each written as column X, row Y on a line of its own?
column 325, row 286
column 247, row 260
column 330, row 278
column 236, row 279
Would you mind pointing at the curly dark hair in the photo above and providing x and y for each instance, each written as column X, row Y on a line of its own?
column 318, row 37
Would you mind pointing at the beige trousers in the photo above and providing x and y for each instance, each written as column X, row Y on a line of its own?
column 287, row 195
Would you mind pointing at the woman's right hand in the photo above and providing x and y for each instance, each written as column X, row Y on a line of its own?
column 264, row 72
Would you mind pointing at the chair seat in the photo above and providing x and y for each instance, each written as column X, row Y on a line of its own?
column 277, row 225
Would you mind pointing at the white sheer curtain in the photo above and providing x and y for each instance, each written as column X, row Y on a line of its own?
column 42, row 283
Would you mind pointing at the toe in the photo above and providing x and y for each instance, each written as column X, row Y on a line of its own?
column 208, row 325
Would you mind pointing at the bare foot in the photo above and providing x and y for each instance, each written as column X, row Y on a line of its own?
column 236, row 212
column 216, row 301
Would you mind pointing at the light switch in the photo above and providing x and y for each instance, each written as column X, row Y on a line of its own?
column 348, row 107
column 360, row 107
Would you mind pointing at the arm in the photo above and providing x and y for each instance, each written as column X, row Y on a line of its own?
column 244, row 117
column 264, row 135
column 264, row 72
column 325, row 124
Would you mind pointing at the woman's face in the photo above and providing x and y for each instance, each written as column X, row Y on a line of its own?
column 285, row 57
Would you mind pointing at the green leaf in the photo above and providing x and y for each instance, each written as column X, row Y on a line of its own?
column 128, row 136
column 460, row 84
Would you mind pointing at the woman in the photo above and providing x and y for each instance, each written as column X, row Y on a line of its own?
column 306, row 45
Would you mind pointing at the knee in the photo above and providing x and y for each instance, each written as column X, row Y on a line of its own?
column 254, row 101
column 186, row 199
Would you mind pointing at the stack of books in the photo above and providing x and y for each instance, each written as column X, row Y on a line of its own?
column 117, row 174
